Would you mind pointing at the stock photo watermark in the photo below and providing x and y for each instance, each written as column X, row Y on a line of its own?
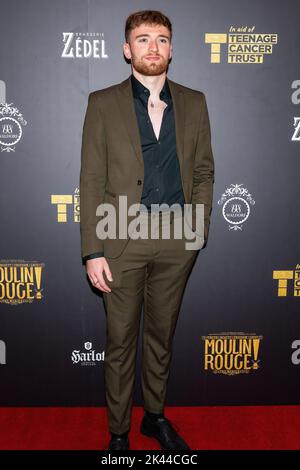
column 187, row 222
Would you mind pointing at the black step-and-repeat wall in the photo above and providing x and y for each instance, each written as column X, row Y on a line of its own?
column 237, row 340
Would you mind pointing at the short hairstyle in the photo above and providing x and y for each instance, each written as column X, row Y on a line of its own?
column 150, row 17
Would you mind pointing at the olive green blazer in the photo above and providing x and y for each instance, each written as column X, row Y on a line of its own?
column 112, row 160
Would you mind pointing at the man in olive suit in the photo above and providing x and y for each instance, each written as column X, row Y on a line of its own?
column 147, row 138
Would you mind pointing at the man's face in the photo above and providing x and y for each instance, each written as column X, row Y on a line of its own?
column 149, row 49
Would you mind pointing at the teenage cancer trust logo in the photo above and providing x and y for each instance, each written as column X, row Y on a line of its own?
column 288, row 281
column 243, row 45
column 236, row 202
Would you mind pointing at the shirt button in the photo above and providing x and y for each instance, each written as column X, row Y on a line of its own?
column 157, row 189
column 158, row 143
column 139, row 182
column 156, row 166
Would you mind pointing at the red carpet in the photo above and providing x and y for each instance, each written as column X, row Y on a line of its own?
column 211, row 428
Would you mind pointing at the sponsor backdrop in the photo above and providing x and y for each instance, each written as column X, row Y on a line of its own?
column 237, row 340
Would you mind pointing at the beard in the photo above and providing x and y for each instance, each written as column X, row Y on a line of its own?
column 151, row 68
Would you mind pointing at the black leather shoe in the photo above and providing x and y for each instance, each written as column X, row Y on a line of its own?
column 162, row 430
column 119, row 443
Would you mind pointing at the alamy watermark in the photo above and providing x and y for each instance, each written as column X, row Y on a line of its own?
column 184, row 219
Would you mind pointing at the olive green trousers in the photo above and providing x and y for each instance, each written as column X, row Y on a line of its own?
column 150, row 274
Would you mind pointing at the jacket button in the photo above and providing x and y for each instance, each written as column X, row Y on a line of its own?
column 139, row 182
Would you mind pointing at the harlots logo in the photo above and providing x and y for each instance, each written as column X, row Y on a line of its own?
column 89, row 357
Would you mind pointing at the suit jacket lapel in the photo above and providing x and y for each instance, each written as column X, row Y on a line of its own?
column 179, row 115
column 127, row 109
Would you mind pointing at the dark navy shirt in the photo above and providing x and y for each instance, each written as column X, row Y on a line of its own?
column 162, row 182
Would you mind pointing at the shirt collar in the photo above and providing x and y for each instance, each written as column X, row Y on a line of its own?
column 140, row 91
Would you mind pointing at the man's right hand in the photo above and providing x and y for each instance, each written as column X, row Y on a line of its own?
column 95, row 268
